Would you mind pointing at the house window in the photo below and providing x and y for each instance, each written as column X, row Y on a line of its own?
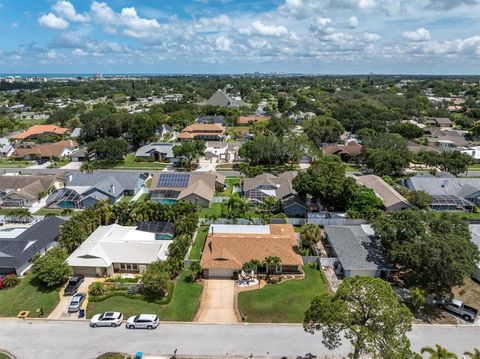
column 129, row 267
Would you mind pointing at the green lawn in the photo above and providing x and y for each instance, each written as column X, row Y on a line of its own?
column 199, row 243
column 130, row 163
column 14, row 164
column 285, row 302
column 28, row 295
column 45, row 211
column 351, row 168
column 142, row 198
column 215, row 209
column 230, row 182
column 182, row 307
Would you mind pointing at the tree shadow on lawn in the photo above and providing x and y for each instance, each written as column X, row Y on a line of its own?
column 41, row 287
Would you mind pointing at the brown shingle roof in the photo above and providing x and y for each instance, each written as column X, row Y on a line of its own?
column 382, row 189
column 352, row 148
column 44, row 150
column 245, row 120
column 231, row 250
column 40, row 129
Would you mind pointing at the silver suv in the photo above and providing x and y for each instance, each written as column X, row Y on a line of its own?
column 142, row 321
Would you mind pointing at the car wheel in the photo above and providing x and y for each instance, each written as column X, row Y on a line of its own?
column 113, row 325
column 467, row 318
column 94, row 325
column 131, row 327
column 149, row 327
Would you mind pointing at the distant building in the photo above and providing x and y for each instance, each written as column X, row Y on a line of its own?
column 158, row 152
column 249, row 120
column 44, row 152
column 24, row 191
column 218, row 120
column 220, row 98
column 6, row 148
column 40, row 130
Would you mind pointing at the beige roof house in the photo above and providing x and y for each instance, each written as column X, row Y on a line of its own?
column 202, row 131
column 23, row 191
column 196, row 187
column 228, row 247
column 392, row 200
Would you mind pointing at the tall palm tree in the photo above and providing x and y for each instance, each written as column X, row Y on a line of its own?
column 67, row 212
column 310, row 234
column 87, row 167
column 438, row 353
column 474, row 355
column 236, row 206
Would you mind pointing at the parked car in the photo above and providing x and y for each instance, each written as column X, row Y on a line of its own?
column 142, row 321
column 108, row 319
column 76, row 302
column 74, row 284
column 2, row 278
column 458, row 307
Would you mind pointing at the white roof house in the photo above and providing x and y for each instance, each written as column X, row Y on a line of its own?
column 117, row 248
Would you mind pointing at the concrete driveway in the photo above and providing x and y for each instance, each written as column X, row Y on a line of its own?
column 72, row 166
column 218, row 302
column 61, row 311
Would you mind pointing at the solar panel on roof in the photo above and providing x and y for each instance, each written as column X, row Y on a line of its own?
column 173, row 180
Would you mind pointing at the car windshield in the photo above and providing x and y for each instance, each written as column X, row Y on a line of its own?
column 119, row 315
column 74, row 302
column 136, row 318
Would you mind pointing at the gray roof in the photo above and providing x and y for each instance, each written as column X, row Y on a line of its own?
column 357, row 250
column 211, row 119
column 220, row 98
column 460, row 187
column 161, row 147
column 5, row 145
column 102, row 179
column 76, row 132
column 14, row 252
column 475, row 232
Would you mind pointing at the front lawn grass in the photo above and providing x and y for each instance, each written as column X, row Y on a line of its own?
column 130, row 163
column 469, row 292
column 284, row 302
column 199, row 243
column 29, row 295
column 45, row 211
column 126, row 199
column 215, row 210
column 182, row 307
column 230, row 182
column 14, row 164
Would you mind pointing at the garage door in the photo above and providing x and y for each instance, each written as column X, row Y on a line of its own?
column 86, row 271
column 220, row 273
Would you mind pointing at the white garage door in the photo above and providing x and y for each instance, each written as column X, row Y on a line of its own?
column 220, row 273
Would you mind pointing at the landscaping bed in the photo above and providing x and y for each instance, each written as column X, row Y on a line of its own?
column 182, row 307
column 285, row 302
column 28, row 295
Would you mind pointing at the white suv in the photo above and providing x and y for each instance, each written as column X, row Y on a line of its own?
column 108, row 319
column 144, row 321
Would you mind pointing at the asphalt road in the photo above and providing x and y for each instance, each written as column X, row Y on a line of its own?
column 38, row 339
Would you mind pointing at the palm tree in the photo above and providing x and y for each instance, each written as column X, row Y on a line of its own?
column 310, row 234
column 474, row 355
column 236, row 206
column 252, row 264
column 271, row 261
column 87, row 167
column 270, row 205
column 67, row 212
column 438, row 353
column 105, row 209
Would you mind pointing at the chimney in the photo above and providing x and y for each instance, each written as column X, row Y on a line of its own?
column 112, row 189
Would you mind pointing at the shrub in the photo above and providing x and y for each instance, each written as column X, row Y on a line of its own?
column 51, row 268
column 189, row 277
column 155, row 280
column 97, row 289
column 10, row 281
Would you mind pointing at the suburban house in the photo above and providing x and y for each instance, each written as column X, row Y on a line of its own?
column 158, row 152
column 449, row 193
column 197, row 187
column 228, row 247
column 475, row 233
column 79, row 155
column 76, row 132
column 346, row 152
column 438, row 121
column 207, row 132
column 44, row 152
column 19, row 245
column 217, row 119
column 40, row 130
column 165, row 131
column 24, row 191
column 6, row 148
column 220, row 98
column 115, row 248
column 473, row 152
column 446, row 140
column 358, row 250
column 392, row 200
column 249, row 120
column 280, row 187
column 84, row 190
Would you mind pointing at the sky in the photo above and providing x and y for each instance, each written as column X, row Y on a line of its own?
column 239, row 36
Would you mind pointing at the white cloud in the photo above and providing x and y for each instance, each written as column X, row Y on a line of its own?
column 51, row 55
column 218, row 21
column 320, row 25
column 257, row 28
column 352, row 22
column 367, row 4
column 223, row 43
column 79, row 53
column 53, row 22
column 371, row 37
column 418, row 35
column 14, row 25
column 470, row 45
column 128, row 19
column 67, row 11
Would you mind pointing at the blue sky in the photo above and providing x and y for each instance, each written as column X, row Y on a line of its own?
column 236, row 36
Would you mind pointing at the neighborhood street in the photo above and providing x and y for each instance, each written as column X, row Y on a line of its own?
column 41, row 339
